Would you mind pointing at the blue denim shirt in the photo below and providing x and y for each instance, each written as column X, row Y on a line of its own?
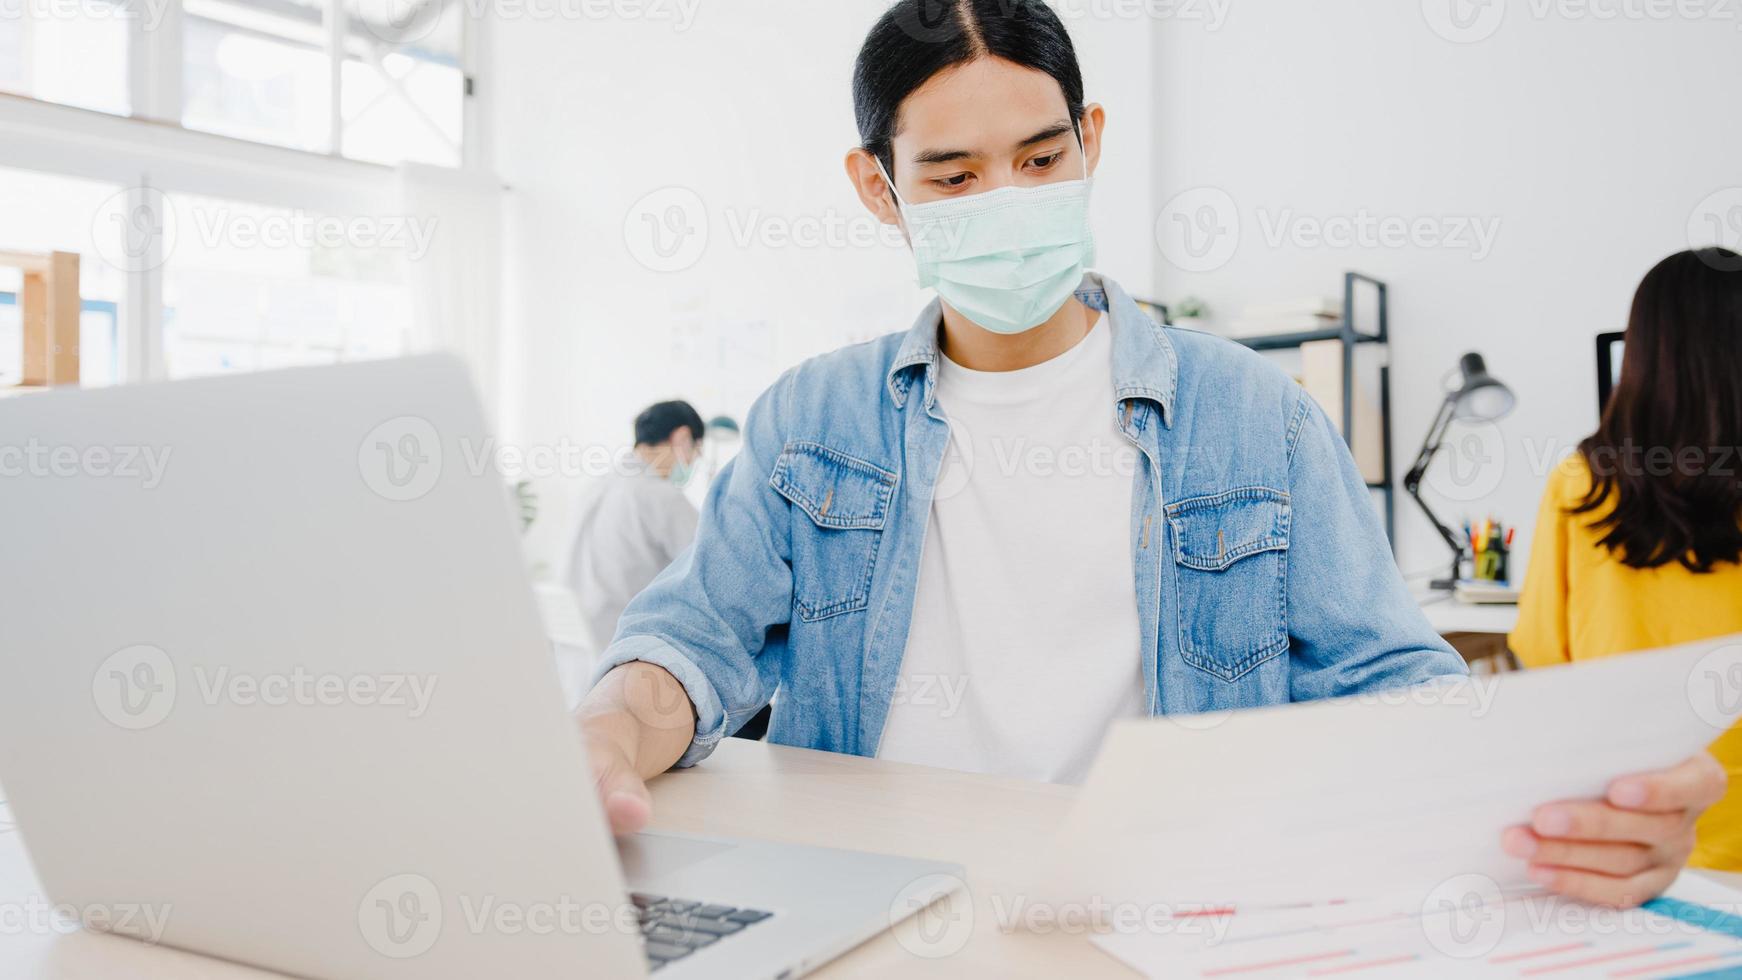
column 1263, row 575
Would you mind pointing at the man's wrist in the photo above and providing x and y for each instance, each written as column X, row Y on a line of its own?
column 641, row 710
column 612, row 729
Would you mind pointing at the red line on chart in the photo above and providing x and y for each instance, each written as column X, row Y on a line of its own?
column 1592, row 961
column 1370, row 964
column 1672, row 964
column 1514, row 957
column 1392, row 917
column 1274, row 964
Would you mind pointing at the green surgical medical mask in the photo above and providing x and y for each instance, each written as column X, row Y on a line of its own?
column 681, row 473
column 1007, row 259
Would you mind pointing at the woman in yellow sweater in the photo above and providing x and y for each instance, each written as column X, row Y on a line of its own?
column 1639, row 543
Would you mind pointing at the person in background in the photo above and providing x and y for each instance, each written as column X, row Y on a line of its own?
column 636, row 520
column 1640, row 537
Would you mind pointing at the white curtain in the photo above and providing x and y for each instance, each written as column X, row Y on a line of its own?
column 456, row 282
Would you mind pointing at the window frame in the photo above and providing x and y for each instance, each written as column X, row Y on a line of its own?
column 149, row 153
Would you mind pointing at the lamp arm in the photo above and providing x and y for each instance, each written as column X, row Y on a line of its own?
column 1430, row 448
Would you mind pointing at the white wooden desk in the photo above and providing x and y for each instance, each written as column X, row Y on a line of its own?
column 989, row 825
column 747, row 789
column 1478, row 631
column 1449, row 615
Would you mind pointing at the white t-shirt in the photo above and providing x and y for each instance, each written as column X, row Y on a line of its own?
column 633, row 523
column 1025, row 644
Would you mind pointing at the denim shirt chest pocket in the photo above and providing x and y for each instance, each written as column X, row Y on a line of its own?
column 1231, row 571
column 845, row 501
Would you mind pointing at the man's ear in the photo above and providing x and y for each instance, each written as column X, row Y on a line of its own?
column 1094, row 125
column 873, row 190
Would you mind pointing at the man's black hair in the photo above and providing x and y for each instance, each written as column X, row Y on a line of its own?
column 655, row 425
column 917, row 39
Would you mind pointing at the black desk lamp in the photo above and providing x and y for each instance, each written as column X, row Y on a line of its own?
column 1479, row 397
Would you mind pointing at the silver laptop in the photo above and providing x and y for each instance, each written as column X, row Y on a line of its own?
column 273, row 688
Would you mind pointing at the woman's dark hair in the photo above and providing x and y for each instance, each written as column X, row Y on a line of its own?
column 655, row 425
column 916, row 39
column 1669, row 448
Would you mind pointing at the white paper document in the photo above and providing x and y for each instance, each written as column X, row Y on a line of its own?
column 1383, row 795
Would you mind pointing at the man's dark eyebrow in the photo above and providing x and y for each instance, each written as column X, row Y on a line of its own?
column 941, row 156
column 951, row 156
column 1050, row 133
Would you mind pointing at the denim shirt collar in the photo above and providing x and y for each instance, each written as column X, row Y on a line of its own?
column 1145, row 364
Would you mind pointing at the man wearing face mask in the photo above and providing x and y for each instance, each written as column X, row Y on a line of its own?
column 978, row 543
column 636, row 520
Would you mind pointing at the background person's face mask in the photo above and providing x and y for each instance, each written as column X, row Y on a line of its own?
column 1007, row 259
column 682, row 470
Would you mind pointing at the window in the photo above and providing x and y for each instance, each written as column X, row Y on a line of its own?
column 402, row 85
column 49, row 213
column 74, row 53
column 258, row 71
column 99, row 337
column 375, row 80
column 178, row 285
column 245, row 286
column 248, row 287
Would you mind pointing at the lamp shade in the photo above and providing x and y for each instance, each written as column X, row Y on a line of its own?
column 1480, row 395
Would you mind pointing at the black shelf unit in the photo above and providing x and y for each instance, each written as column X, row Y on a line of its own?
column 1350, row 338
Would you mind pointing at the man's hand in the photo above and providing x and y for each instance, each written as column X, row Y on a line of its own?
column 1626, row 849
column 636, row 723
column 628, row 805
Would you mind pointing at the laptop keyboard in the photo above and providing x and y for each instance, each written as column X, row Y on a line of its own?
column 673, row 928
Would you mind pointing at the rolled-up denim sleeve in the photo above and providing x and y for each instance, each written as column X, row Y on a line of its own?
column 1353, row 624
column 706, row 619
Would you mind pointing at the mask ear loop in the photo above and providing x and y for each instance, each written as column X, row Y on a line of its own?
column 899, row 203
column 1082, row 148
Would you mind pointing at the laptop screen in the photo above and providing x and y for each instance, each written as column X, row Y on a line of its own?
column 1609, row 351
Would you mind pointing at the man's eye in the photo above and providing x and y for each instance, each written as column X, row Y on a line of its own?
column 955, row 181
column 1041, row 163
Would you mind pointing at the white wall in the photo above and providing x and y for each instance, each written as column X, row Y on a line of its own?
column 738, row 123
column 1585, row 146
column 1591, row 142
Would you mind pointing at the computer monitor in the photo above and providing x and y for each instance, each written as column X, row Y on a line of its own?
column 1609, row 350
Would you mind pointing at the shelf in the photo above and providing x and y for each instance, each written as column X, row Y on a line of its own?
column 1344, row 332
column 1288, row 341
